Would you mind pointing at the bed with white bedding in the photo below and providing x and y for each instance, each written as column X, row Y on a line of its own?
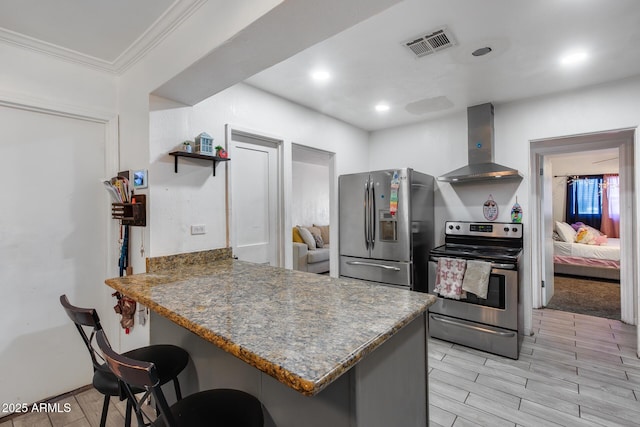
column 579, row 259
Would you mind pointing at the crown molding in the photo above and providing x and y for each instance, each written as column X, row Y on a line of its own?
column 158, row 31
column 171, row 19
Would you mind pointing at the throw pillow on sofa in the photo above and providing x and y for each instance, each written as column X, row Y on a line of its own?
column 324, row 232
column 296, row 235
column 307, row 237
column 317, row 236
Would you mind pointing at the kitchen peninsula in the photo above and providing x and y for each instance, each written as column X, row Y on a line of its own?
column 315, row 350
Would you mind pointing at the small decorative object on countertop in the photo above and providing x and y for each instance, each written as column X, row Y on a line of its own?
column 186, row 146
column 204, row 144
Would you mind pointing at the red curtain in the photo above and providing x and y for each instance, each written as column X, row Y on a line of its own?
column 611, row 206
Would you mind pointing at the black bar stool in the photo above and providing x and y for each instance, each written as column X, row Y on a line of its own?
column 169, row 360
column 217, row 407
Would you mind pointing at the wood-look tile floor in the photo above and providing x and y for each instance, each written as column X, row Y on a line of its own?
column 575, row 370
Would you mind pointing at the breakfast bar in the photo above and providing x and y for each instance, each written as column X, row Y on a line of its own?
column 315, row 350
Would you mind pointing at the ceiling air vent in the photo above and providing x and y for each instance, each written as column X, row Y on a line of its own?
column 431, row 43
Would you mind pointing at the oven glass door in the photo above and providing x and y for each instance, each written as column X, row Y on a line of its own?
column 496, row 293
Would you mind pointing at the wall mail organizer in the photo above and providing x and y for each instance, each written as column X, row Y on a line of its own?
column 132, row 213
column 213, row 159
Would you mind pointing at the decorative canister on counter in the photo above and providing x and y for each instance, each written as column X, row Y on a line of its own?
column 516, row 212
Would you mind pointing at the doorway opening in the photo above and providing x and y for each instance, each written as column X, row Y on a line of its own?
column 311, row 205
column 586, row 265
column 611, row 147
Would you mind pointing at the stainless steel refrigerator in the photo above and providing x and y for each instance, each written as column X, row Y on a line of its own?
column 386, row 227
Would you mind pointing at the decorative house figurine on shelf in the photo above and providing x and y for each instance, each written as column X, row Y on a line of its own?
column 204, row 144
column 221, row 152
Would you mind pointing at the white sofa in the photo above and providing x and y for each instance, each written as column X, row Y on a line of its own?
column 312, row 261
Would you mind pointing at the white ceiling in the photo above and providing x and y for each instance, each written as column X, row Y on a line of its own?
column 586, row 162
column 368, row 62
column 109, row 35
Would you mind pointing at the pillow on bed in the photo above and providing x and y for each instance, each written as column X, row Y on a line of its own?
column 566, row 232
column 587, row 235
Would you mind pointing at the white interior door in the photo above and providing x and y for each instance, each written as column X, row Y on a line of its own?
column 52, row 242
column 255, row 213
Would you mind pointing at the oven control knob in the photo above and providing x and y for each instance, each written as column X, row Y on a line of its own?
column 450, row 227
column 457, row 227
column 506, row 229
column 515, row 230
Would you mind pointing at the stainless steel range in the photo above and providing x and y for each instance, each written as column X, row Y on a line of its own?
column 493, row 324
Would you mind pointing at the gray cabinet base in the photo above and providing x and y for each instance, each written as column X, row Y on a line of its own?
column 387, row 387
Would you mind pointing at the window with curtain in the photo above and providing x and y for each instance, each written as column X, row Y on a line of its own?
column 584, row 200
column 595, row 201
column 611, row 206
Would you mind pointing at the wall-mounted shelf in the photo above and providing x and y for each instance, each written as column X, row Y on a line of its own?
column 213, row 159
column 131, row 213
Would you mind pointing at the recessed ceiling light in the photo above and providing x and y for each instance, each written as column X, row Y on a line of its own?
column 574, row 58
column 382, row 107
column 320, row 75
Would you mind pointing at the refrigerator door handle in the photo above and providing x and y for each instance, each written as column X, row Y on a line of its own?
column 372, row 215
column 371, row 264
column 366, row 214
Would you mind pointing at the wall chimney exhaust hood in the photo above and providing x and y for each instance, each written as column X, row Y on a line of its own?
column 481, row 166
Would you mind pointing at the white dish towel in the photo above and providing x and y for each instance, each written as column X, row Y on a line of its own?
column 476, row 278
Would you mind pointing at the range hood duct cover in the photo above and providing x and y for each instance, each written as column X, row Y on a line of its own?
column 480, row 150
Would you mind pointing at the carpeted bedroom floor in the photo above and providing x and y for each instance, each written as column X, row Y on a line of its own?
column 594, row 297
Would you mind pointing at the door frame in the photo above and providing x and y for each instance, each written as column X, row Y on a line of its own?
column 623, row 139
column 257, row 138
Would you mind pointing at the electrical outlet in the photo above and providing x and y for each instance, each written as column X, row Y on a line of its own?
column 198, row 229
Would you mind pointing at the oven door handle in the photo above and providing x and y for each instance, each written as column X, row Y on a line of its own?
column 497, row 266
column 503, row 266
column 370, row 264
column 468, row 325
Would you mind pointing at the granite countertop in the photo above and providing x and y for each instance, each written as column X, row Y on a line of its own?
column 303, row 329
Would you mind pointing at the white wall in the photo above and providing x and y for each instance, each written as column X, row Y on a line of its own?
column 55, row 134
column 309, row 194
column 194, row 196
column 438, row 146
column 209, row 27
column 33, row 79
